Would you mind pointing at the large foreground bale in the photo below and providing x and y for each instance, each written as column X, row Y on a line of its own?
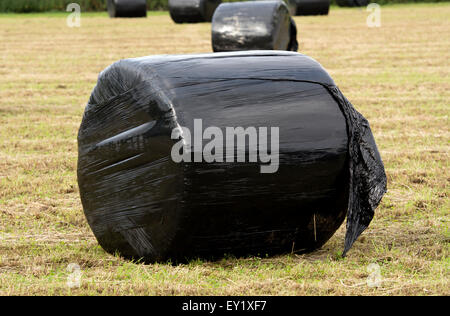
column 192, row 11
column 312, row 7
column 352, row 3
column 253, row 25
column 143, row 203
column 127, row 8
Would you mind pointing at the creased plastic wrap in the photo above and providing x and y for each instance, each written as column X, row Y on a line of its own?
column 140, row 203
column 127, row 8
column 352, row 3
column 312, row 7
column 192, row 11
column 253, row 25
column 367, row 176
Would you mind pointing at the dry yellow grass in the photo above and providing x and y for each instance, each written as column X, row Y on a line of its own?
column 397, row 75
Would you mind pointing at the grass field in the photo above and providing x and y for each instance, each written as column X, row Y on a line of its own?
column 397, row 75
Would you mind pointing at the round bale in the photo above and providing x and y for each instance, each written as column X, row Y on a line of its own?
column 192, row 11
column 312, row 7
column 141, row 202
column 352, row 3
column 253, row 25
column 127, row 8
column 291, row 4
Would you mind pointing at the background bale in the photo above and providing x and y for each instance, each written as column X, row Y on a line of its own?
column 352, row 3
column 127, row 8
column 291, row 4
column 192, row 11
column 142, row 204
column 312, row 7
column 253, row 25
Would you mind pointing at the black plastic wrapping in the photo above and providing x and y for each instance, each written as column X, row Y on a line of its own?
column 312, row 7
column 127, row 8
column 253, row 25
column 291, row 4
column 368, row 181
column 192, row 11
column 142, row 204
column 352, row 3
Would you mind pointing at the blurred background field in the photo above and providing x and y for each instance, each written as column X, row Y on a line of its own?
column 397, row 75
column 22, row 6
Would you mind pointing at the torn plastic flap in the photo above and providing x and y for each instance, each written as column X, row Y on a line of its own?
column 368, row 182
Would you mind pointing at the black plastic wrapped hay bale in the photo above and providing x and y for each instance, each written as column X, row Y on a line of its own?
column 192, row 11
column 312, row 7
column 127, row 8
column 253, row 25
column 141, row 203
column 291, row 4
column 352, row 3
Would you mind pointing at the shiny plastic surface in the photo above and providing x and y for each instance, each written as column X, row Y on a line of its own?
column 253, row 25
column 192, row 11
column 142, row 204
